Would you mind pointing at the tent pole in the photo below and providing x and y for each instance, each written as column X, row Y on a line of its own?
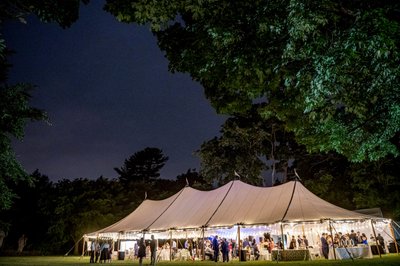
column 376, row 241
column 333, row 245
column 394, row 238
column 119, row 241
column 83, row 246
column 202, row 244
column 239, row 245
column 282, row 240
column 170, row 245
column 287, row 209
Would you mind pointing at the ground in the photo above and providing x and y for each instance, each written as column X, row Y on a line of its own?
column 386, row 260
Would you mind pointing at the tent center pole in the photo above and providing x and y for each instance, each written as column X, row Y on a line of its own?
column 170, row 245
column 394, row 238
column 239, row 244
column 83, row 246
column 282, row 239
column 202, row 244
column 376, row 240
column 333, row 244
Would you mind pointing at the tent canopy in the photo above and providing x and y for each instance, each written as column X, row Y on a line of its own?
column 229, row 205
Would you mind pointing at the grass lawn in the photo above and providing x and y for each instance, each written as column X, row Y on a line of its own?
column 386, row 260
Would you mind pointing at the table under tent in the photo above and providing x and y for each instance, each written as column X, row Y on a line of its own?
column 237, row 211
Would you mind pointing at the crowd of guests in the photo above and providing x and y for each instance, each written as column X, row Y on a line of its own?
column 351, row 239
column 300, row 242
column 101, row 251
column 216, row 248
column 249, row 247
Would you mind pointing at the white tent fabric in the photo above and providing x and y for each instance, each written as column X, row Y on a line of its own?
column 232, row 204
column 377, row 212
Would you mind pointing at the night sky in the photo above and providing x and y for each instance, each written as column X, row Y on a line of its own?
column 108, row 93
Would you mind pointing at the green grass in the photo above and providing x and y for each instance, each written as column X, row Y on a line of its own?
column 386, row 260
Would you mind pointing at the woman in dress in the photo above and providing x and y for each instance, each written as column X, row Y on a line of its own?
column 141, row 251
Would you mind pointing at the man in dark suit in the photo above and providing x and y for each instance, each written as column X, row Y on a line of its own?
column 324, row 246
column 215, row 248
column 153, row 251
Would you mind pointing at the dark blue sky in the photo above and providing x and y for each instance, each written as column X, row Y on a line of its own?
column 106, row 88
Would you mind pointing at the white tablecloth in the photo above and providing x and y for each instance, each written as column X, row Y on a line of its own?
column 183, row 254
column 351, row 252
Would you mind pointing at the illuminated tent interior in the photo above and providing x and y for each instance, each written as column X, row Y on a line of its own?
column 239, row 209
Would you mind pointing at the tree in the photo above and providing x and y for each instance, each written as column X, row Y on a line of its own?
column 377, row 184
column 248, row 145
column 14, row 114
column 193, row 179
column 81, row 206
column 143, row 166
column 328, row 69
column 15, row 110
column 62, row 12
column 31, row 205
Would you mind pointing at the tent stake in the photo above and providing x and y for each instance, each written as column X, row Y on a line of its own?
column 376, row 241
column 394, row 238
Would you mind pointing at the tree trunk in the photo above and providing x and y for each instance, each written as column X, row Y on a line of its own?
column 76, row 248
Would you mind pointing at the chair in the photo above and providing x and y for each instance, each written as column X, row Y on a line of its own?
column 184, row 254
column 314, row 253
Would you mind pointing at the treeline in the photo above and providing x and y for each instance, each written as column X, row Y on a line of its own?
column 55, row 215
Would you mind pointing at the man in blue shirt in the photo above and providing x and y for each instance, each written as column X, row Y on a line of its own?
column 215, row 248
column 324, row 246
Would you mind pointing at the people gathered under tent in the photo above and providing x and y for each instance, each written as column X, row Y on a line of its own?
column 224, row 250
column 221, row 248
column 104, row 251
column 94, row 251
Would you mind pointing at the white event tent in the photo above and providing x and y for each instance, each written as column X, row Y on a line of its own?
column 239, row 208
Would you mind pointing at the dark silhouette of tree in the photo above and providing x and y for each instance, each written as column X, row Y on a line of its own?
column 143, row 166
column 328, row 69
column 193, row 179
column 82, row 206
column 15, row 109
column 248, row 145
column 29, row 214
column 64, row 13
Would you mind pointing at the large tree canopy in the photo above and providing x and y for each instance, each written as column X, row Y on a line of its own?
column 62, row 12
column 328, row 69
column 14, row 114
column 143, row 166
column 248, row 146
